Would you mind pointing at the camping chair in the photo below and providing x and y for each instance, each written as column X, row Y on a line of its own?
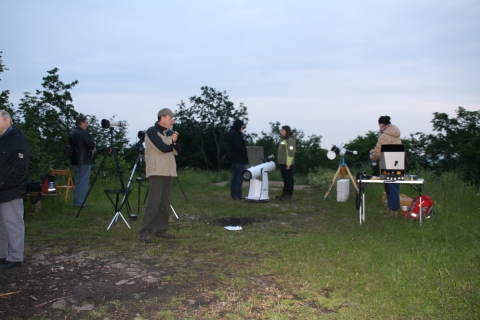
column 66, row 173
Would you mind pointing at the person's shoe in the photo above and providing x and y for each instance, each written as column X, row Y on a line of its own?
column 389, row 213
column 280, row 196
column 9, row 264
column 145, row 239
column 165, row 235
column 286, row 197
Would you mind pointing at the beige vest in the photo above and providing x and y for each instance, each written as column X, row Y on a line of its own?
column 160, row 163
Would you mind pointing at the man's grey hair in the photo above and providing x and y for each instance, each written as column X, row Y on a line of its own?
column 5, row 115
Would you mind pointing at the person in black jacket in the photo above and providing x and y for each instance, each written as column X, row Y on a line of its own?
column 14, row 159
column 83, row 146
column 238, row 157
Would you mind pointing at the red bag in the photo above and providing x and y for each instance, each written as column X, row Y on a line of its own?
column 427, row 204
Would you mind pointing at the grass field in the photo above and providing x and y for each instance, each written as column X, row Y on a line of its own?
column 300, row 259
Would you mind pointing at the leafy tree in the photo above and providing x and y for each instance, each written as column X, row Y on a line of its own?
column 270, row 141
column 363, row 145
column 4, row 95
column 48, row 118
column 205, row 125
column 455, row 146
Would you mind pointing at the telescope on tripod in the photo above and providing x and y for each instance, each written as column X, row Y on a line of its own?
column 339, row 149
column 123, row 191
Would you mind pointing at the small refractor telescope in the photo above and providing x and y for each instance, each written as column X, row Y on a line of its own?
column 340, row 149
column 110, row 124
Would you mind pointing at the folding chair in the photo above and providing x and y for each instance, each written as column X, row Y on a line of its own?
column 66, row 173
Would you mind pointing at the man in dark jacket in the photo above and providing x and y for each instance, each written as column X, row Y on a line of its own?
column 238, row 157
column 83, row 146
column 14, row 158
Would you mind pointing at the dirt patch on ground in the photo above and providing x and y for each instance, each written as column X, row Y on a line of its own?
column 86, row 284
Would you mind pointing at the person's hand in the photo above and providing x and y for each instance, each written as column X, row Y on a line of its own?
column 175, row 137
column 288, row 167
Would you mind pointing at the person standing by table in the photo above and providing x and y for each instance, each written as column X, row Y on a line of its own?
column 14, row 161
column 389, row 134
column 285, row 158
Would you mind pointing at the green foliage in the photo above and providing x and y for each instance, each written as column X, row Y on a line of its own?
column 454, row 147
column 47, row 119
column 320, row 177
column 363, row 145
column 205, row 125
column 4, row 102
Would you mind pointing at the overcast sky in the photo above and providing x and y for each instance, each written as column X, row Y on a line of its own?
column 329, row 68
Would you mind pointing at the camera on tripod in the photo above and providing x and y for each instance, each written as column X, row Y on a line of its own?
column 139, row 145
column 110, row 124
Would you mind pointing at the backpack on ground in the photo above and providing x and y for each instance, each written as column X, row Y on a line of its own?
column 427, row 207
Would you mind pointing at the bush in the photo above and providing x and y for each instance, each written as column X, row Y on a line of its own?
column 321, row 177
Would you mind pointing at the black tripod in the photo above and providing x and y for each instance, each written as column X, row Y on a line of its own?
column 138, row 165
column 122, row 191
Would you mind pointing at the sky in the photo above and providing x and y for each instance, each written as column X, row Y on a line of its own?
column 328, row 68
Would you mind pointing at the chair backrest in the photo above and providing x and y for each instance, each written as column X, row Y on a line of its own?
column 68, row 175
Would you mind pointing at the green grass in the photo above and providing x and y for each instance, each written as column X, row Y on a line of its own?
column 302, row 259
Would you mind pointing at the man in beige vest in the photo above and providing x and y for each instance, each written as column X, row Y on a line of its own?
column 161, row 147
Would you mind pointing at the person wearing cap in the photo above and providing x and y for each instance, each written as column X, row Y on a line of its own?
column 238, row 158
column 14, row 161
column 161, row 148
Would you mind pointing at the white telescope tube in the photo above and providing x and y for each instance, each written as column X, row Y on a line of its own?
column 255, row 172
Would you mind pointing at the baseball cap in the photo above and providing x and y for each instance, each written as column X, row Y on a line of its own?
column 166, row 112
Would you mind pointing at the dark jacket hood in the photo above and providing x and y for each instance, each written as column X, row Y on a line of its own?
column 237, row 124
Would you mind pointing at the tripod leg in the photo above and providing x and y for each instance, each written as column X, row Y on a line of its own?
column 138, row 198
column 182, row 189
column 331, row 184
column 351, row 178
column 174, row 212
column 93, row 183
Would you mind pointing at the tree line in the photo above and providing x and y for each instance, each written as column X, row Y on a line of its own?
column 48, row 116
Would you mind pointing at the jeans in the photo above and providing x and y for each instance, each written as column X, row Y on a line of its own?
column 82, row 176
column 236, row 180
column 393, row 196
column 287, row 176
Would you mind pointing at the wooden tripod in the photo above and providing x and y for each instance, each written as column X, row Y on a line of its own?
column 342, row 167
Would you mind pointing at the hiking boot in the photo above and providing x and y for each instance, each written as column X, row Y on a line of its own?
column 164, row 235
column 9, row 264
column 280, row 196
column 145, row 239
column 286, row 197
column 389, row 213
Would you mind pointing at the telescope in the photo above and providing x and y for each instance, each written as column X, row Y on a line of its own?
column 110, row 124
column 258, row 190
column 340, row 149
